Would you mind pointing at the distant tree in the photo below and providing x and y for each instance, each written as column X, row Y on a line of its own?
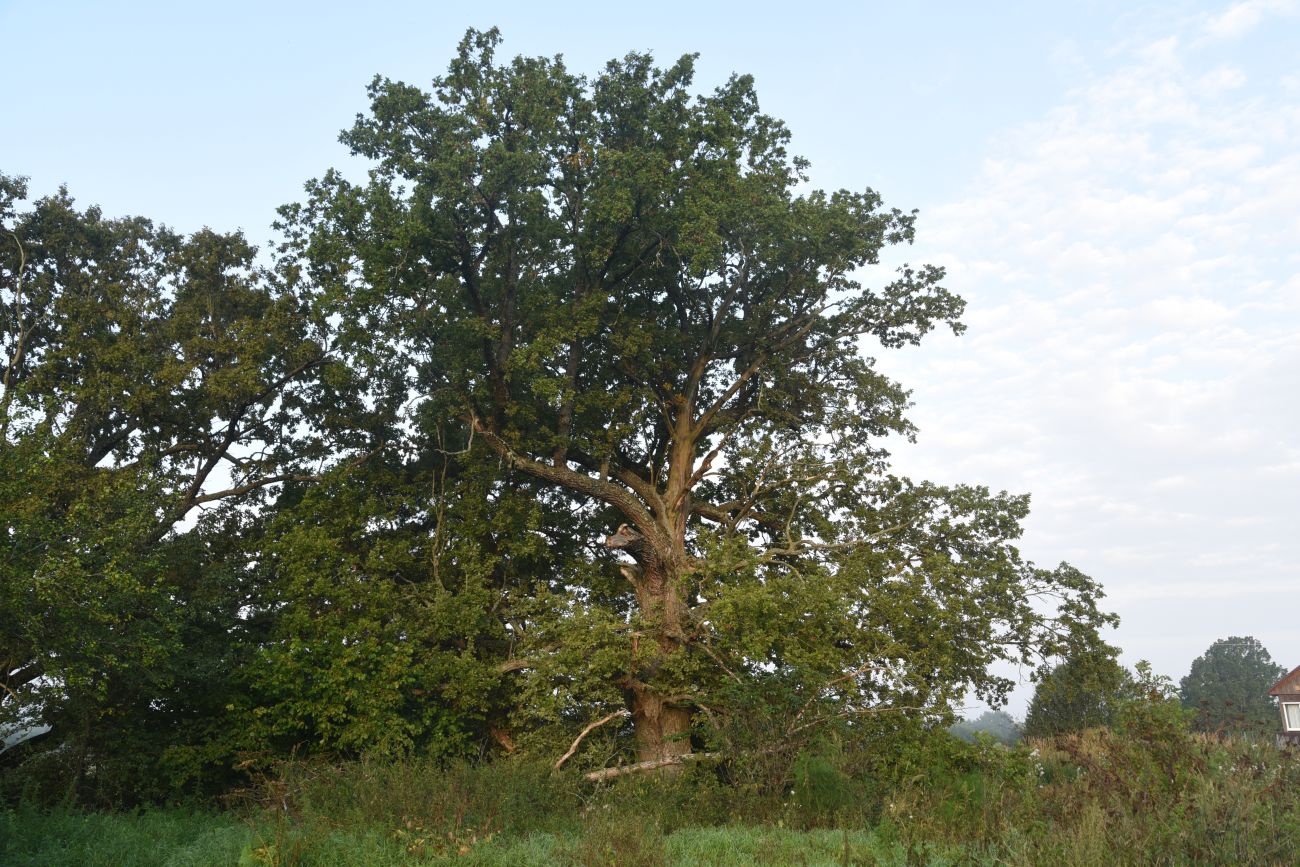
column 1081, row 692
column 996, row 723
column 1228, row 687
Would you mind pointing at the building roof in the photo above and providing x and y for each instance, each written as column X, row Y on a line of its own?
column 1290, row 681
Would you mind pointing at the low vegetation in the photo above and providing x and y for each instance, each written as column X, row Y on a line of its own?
column 1146, row 785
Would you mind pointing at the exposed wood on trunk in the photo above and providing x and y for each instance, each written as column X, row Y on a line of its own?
column 502, row 737
column 662, row 728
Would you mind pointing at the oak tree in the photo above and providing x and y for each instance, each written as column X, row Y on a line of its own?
column 626, row 292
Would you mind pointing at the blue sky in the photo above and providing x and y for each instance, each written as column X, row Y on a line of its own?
column 205, row 113
column 1115, row 187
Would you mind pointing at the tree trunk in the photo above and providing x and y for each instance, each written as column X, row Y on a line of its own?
column 662, row 725
column 662, row 729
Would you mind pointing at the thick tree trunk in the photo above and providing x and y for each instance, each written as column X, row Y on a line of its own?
column 662, row 729
column 662, row 725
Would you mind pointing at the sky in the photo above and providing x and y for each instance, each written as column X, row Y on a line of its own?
column 1114, row 187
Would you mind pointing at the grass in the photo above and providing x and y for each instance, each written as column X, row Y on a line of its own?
column 1146, row 792
column 155, row 838
column 176, row 838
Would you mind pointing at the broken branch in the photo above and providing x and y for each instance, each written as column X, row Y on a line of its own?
column 654, row 764
column 573, row 748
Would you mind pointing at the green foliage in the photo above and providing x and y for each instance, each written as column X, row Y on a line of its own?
column 362, row 652
column 1082, row 692
column 347, row 505
column 620, row 291
column 821, row 789
column 1228, row 687
column 156, row 838
column 145, row 375
column 1151, row 792
column 1148, row 790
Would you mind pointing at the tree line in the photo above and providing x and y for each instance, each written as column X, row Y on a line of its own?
column 1225, row 692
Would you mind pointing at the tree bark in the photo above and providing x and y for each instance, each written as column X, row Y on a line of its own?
column 662, row 726
column 663, row 729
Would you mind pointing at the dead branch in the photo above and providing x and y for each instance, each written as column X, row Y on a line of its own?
column 852, row 712
column 652, row 765
column 502, row 737
column 573, row 748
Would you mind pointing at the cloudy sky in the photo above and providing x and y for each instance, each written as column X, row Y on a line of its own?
column 1114, row 187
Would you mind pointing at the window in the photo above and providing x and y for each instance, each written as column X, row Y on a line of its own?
column 1292, row 713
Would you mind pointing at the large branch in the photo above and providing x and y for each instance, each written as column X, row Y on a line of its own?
column 617, row 469
column 511, row 665
column 249, row 487
column 723, row 515
column 651, row 765
column 565, row 422
column 232, row 434
column 607, row 492
column 781, row 338
column 638, row 260
column 99, row 450
column 702, row 426
column 716, row 320
column 23, row 676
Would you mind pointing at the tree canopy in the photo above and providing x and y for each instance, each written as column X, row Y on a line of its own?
column 997, row 724
column 620, row 289
column 562, row 427
column 1083, row 691
column 147, row 378
column 1227, row 687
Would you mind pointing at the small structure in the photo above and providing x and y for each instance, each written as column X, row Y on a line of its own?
column 1287, row 691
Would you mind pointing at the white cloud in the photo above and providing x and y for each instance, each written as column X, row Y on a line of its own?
column 1218, row 81
column 1241, row 18
column 1132, row 262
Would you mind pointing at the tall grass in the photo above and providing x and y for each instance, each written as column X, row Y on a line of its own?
column 161, row 838
column 1105, row 797
column 1146, row 792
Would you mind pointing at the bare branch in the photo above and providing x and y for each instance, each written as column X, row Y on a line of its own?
column 640, row 767
column 250, row 487
column 607, row 492
column 573, row 748
column 851, row 712
column 723, row 514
